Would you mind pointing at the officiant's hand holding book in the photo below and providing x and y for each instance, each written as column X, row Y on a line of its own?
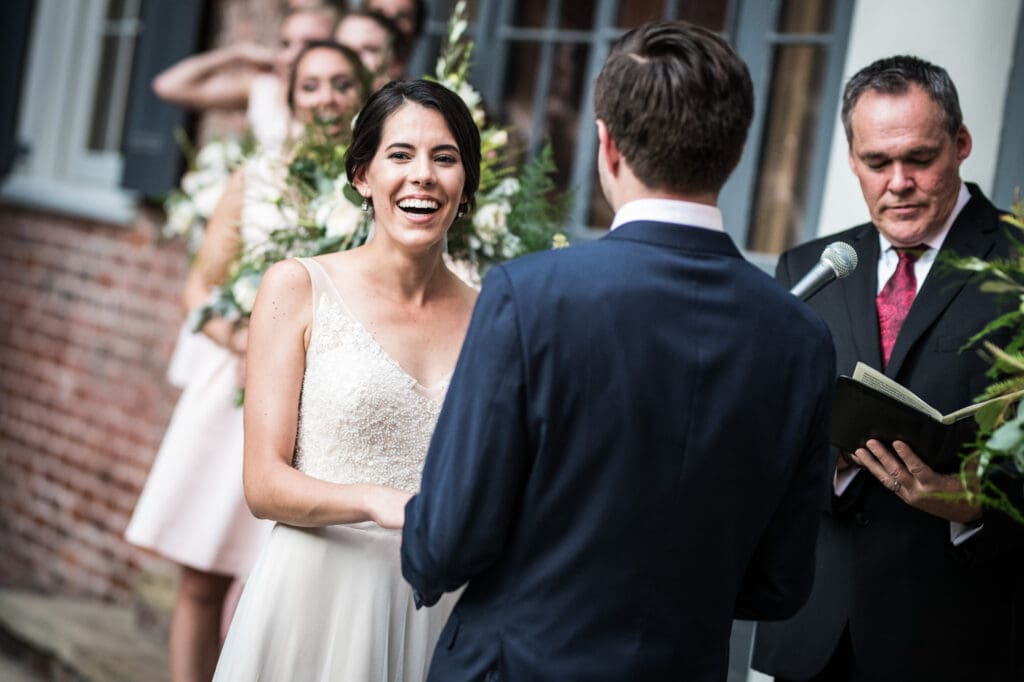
column 871, row 405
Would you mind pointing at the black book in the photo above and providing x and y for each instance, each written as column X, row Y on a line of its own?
column 871, row 405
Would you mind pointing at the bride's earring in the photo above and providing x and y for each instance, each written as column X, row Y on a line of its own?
column 366, row 205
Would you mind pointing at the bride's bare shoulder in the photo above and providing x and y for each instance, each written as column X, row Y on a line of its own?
column 287, row 282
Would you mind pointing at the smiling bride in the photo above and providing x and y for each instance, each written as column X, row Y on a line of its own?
column 350, row 355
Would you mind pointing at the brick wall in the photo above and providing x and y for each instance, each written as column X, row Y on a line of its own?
column 89, row 314
column 88, row 318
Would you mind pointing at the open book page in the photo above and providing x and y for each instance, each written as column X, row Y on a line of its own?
column 874, row 379
column 971, row 409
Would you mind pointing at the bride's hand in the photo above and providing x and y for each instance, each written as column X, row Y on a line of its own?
column 387, row 507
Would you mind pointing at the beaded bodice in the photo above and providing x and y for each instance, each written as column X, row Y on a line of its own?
column 362, row 418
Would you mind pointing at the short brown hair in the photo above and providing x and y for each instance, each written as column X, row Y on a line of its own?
column 895, row 76
column 678, row 101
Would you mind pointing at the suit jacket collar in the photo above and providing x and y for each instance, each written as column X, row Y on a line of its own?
column 860, row 290
column 973, row 234
column 675, row 236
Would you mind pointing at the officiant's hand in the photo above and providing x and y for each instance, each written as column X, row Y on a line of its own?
column 386, row 506
column 904, row 473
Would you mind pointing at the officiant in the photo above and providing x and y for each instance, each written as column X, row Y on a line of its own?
column 910, row 585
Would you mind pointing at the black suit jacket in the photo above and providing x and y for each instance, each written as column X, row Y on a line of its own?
column 917, row 607
column 632, row 450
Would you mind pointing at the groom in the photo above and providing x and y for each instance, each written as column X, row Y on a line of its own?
column 633, row 445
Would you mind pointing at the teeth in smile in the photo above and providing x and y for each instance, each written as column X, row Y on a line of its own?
column 418, row 203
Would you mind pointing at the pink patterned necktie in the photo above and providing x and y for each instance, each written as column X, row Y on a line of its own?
column 895, row 299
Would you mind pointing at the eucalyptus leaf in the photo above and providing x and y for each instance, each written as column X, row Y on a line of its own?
column 1009, row 437
column 988, row 416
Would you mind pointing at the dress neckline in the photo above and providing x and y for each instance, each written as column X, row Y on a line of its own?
column 340, row 300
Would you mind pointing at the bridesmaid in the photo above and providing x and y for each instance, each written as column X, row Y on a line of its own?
column 248, row 77
column 192, row 509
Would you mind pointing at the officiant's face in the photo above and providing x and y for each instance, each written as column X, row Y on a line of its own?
column 416, row 177
column 907, row 163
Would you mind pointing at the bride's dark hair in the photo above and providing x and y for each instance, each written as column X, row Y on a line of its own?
column 386, row 101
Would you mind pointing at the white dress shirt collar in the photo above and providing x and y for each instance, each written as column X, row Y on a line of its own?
column 670, row 211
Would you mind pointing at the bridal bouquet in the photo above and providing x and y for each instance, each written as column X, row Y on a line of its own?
column 518, row 211
column 317, row 211
column 309, row 210
column 999, row 447
column 189, row 206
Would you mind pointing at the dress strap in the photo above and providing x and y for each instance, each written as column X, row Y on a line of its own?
column 320, row 280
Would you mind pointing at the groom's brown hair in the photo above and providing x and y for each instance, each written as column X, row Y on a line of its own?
column 677, row 101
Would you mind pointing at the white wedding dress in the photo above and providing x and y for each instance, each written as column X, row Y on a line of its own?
column 330, row 603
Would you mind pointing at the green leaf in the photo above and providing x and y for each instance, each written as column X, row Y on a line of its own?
column 1001, row 287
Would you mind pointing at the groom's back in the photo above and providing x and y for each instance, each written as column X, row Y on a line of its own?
column 672, row 391
column 633, row 448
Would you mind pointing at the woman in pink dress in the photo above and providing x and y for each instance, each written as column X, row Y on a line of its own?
column 192, row 509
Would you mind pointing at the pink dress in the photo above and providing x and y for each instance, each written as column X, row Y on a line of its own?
column 192, row 509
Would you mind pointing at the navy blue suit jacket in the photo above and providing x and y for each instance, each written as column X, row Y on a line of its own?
column 632, row 451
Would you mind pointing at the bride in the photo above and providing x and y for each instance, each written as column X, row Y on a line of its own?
column 349, row 358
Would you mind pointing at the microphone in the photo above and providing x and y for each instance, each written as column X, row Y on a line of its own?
column 837, row 261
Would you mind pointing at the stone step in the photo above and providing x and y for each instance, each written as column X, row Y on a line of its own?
column 92, row 641
column 154, row 603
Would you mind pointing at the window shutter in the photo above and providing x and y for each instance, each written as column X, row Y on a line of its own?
column 152, row 159
column 15, row 28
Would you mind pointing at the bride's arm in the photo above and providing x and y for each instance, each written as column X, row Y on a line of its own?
column 278, row 336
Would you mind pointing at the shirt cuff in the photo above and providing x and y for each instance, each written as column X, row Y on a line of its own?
column 959, row 533
column 841, row 480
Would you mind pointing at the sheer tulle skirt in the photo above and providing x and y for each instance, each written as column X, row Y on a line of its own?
column 330, row 604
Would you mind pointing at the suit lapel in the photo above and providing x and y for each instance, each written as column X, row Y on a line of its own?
column 860, row 288
column 972, row 234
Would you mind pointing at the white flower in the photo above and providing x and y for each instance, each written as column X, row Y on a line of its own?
column 511, row 246
column 192, row 181
column 206, row 199
column 490, row 221
column 506, row 189
column 264, row 218
column 181, row 213
column 467, row 94
column 342, row 219
column 498, row 137
column 244, row 291
column 219, row 155
column 458, row 29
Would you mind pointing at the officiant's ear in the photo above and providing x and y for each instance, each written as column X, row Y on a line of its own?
column 607, row 151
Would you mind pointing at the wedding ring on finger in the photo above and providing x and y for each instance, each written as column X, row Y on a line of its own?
column 895, row 487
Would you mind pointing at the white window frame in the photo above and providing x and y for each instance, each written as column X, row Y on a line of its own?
column 59, row 172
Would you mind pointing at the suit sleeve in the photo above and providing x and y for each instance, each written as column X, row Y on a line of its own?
column 780, row 574
column 476, row 466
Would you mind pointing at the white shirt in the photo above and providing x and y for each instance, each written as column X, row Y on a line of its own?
column 888, row 259
column 670, row 211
